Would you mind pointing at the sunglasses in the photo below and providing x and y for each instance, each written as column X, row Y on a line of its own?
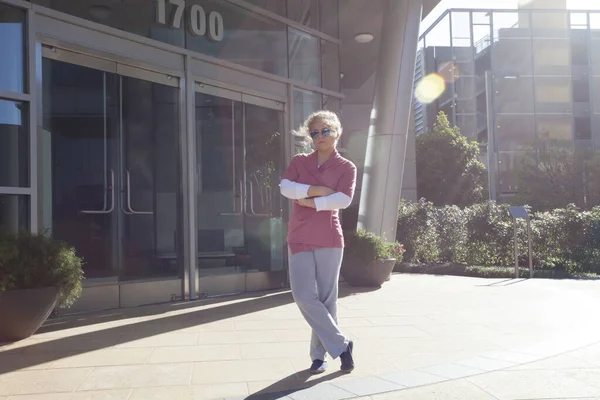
column 324, row 133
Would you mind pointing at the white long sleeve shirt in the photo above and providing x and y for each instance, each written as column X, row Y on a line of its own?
column 296, row 191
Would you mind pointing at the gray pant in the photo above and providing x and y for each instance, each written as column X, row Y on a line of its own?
column 314, row 277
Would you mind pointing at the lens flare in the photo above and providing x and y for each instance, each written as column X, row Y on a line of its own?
column 430, row 88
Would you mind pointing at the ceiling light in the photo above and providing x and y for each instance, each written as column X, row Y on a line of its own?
column 363, row 37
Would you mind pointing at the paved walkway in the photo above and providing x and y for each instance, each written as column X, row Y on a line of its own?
column 419, row 337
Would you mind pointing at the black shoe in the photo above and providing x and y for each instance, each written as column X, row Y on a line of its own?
column 318, row 367
column 347, row 360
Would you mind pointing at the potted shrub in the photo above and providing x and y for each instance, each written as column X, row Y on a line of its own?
column 37, row 274
column 369, row 259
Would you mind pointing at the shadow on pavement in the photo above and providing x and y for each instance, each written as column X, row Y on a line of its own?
column 45, row 351
column 291, row 384
column 505, row 282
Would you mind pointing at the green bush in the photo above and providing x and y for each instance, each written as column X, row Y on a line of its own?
column 365, row 247
column 566, row 239
column 489, row 234
column 29, row 261
column 417, row 232
column 452, row 233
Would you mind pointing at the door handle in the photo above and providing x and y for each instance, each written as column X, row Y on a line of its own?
column 110, row 187
column 234, row 213
column 129, row 208
column 252, row 212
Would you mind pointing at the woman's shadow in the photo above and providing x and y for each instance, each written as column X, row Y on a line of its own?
column 291, row 384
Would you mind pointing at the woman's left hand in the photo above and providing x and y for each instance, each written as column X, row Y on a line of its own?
column 310, row 203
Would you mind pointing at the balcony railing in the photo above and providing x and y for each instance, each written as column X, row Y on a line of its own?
column 483, row 44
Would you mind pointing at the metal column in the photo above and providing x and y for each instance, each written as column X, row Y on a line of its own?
column 388, row 131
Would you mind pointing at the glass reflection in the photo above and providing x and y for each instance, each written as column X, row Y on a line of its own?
column 305, row 12
column 330, row 60
column 248, row 39
column 14, row 144
column 239, row 164
column 305, row 103
column 12, row 62
column 305, row 58
column 138, row 17
column 14, row 213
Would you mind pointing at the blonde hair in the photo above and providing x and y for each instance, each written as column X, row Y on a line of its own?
column 328, row 118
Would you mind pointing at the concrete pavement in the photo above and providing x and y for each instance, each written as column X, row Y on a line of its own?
column 418, row 337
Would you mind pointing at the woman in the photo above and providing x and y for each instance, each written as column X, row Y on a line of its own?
column 320, row 183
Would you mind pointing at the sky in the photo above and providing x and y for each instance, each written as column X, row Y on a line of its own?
column 496, row 4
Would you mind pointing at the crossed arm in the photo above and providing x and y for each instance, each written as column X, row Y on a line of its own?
column 321, row 198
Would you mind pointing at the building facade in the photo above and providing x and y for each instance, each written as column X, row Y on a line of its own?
column 514, row 77
column 151, row 135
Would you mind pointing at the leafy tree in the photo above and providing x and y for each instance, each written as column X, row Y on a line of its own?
column 449, row 171
column 557, row 175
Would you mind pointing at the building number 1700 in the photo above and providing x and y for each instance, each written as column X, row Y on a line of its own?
column 199, row 23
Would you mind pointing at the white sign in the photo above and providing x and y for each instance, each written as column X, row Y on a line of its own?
column 200, row 23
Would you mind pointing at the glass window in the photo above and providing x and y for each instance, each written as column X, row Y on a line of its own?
column 513, row 94
column 507, row 163
column 578, row 20
column 139, row 17
column 332, row 104
column 467, row 123
column 512, row 56
column 440, row 34
column 581, row 89
column 579, row 49
column 248, row 39
column 330, row 17
column 594, row 24
column 596, row 94
column 12, row 62
column 550, row 24
column 483, row 64
column 514, row 132
column 553, row 95
column 14, row 144
column 595, row 56
column 481, row 37
column 330, row 63
column 466, row 106
column 305, row 103
column 551, row 57
column 305, row 60
column 465, row 87
column 275, row 6
column 461, row 31
column 14, row 213
column 481, row 17
column 462, row 65
column 216, row 28
column 583, row 128
column 305, row 12
column 596, row 128
column 510, row 25
column 555, row 127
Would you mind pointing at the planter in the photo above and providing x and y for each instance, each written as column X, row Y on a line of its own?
column 371, row 275
column 22, row 312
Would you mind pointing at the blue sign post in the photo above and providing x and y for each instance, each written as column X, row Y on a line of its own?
column 520, row 212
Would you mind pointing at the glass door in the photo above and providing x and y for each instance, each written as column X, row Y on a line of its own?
column 263, row 169
column 111, row 165
column 240, row 155
column 149, row 173
column 79, row 138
